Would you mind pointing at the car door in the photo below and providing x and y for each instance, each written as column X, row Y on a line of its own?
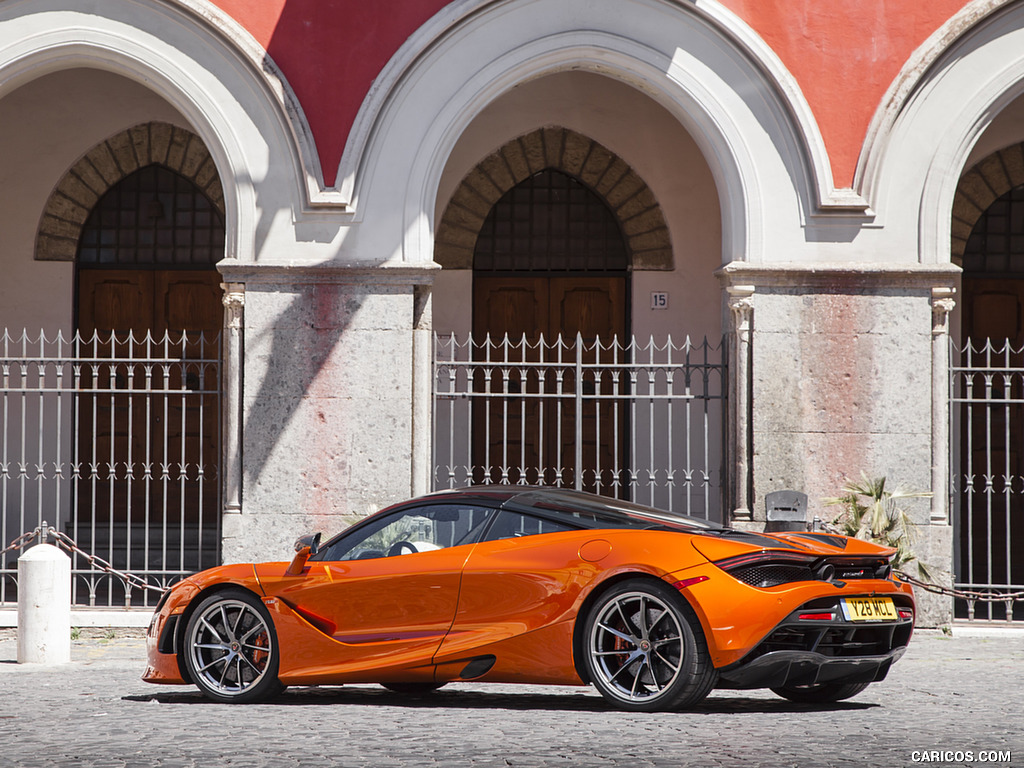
column 388, row 591
column 525, row 575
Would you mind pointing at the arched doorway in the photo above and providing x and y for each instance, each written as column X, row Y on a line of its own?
column 553, row 234
column 988, row 390
column 550, row 280
column 148, row 313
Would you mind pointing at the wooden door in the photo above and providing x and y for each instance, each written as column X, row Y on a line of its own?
column 519, row 435
column 593, row 308
column 148, row 432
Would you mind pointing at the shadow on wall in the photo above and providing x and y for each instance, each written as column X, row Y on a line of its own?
column 302, row 370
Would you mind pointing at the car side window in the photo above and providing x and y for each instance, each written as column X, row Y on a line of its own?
column 508, row 525
column 410, row 531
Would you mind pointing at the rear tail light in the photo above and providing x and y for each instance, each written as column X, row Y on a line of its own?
column 769, row 568
column 817, row 616
column 906, row 613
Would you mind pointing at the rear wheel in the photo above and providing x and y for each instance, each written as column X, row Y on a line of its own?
column 823, row 693
column 231, row 648
column 645, row 649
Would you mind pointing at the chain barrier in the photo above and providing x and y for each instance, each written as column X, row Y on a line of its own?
column 972, row 596
column 988, row 596
column 130, row 579
column 68, row 544
column 20, row 542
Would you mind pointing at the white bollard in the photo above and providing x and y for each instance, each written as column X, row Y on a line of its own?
column 44, row 606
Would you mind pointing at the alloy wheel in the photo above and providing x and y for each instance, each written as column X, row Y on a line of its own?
column 230, row 646
column 636, row 646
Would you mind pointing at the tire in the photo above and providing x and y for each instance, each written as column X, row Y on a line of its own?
column 645, row 650
column 413, row 689
column 823, row 693
column 231, row 649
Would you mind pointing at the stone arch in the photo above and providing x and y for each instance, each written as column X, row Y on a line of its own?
column 108, row 163
column 630, row 199
column 981, row 186
column 913, row 165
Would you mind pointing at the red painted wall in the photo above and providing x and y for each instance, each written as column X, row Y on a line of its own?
column 843, row 55
column 331, row 51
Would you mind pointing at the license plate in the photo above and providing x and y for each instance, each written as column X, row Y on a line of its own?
column 869, row 609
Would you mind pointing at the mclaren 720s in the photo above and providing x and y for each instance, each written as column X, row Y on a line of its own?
column 517, row 584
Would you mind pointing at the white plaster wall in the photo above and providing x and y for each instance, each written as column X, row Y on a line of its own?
column 47, row 125
column 1007, row 128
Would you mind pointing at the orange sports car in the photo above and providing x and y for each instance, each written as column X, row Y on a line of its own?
column 545, row 586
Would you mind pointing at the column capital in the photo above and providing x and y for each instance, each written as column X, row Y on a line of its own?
column 942, row 304
column 234, row 302
column 740, row 295
column 741, row 305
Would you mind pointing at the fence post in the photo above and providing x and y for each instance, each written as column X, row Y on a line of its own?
column 44, row 606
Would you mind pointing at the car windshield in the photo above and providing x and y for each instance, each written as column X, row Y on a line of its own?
column 610, row 513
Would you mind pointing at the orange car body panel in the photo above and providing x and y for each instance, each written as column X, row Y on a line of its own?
column 424, row 616
column 315, row 658
column 383, row 615
column 163, row 668
column 736, row 616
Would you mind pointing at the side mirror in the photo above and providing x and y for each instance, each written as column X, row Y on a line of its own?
column 304, row 547
column 311, row 540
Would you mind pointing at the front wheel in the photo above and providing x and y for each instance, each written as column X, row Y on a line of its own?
column 645, row 649
column 823, row 693
column 231, row 649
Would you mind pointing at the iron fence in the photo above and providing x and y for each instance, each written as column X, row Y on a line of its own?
column 987, row 474
column 630, row 419
column 116, row 438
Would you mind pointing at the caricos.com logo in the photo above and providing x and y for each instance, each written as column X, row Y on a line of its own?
column 960, row 756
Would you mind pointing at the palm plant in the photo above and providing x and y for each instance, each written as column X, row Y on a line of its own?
column 873, row 513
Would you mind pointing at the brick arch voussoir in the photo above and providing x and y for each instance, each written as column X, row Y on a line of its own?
column 630, row 199
column 110, row 161
column 981, row 186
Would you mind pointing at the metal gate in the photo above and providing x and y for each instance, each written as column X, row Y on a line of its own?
column 633, row 420
column 114, row 441
column 987, row 473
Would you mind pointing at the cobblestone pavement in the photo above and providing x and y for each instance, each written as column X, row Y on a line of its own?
column 950, row 701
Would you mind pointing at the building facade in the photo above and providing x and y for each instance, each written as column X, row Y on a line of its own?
column 240, row 237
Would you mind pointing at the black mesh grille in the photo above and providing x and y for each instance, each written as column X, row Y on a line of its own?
column 836, row 641
column 153, row 219
column 166, row 641
column 770, row 574
column 765, row 573
column 996, row 245
column 550, row 222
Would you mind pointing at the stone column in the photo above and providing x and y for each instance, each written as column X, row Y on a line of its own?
column 741, row 308
column 423, row 400
column 942, row 305
column 333, row 419
column 231, row 405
